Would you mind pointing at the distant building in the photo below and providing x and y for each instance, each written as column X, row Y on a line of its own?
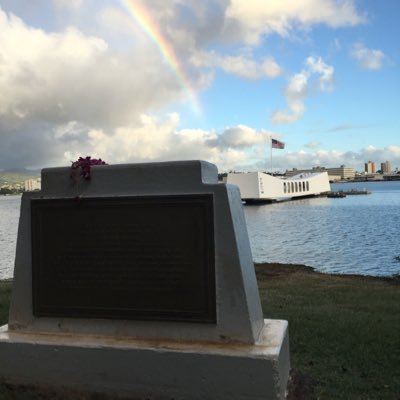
column 370, row 167
column 32, row 184
column 335, row 174
column 386, row 167
column 296, row 171
column 342, row 171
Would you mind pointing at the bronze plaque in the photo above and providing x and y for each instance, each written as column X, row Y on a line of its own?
column 145, row 258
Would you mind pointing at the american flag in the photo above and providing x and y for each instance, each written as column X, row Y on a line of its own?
column 276, row 144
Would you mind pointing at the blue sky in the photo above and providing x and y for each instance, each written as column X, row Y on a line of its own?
column 82, row 77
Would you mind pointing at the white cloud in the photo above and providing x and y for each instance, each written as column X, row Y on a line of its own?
column 299, row 88
column 248, row 68
column 271, row 68
column 71, row 76
column 240, row 136
column 147, row 138
column 318, row 66
column 239, row 148
column 154, row 139
column 295, row 94
column 367, row 58
column 242, row 66
column 71, row 129
column 250, row 20
column 56, row 87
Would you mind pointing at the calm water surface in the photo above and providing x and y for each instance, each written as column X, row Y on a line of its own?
column 9, row 217
column 353, row 235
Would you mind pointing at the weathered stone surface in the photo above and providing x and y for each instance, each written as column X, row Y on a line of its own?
column 155, row 370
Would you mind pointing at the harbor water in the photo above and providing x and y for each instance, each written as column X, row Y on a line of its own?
column 358, row 234
column 9, row 217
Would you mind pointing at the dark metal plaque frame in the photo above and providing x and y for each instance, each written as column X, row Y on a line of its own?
column 140, row 258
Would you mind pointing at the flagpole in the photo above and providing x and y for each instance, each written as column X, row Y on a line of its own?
column 270, row 145
column 276, row 144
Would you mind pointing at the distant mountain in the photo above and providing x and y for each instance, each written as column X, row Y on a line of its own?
column 22, row 171
column 12, row 177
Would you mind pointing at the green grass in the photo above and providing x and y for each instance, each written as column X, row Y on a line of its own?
column 344, row 331
column 5, row 292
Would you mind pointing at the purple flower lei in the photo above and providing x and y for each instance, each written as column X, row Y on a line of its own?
column 85, row 164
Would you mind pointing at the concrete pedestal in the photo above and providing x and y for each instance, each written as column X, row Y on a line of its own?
column 150, row 369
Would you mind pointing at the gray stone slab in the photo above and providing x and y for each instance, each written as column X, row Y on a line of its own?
column 238, row 314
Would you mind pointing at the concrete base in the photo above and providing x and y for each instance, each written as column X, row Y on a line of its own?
column 150, row 369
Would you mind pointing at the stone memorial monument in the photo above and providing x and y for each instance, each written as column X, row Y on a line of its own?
column 140, row 282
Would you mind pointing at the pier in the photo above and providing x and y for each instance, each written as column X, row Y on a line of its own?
column 344, row 193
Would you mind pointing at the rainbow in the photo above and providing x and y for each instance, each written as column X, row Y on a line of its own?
column 143, row 18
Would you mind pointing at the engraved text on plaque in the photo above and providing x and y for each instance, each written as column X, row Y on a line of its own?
column 149, row 258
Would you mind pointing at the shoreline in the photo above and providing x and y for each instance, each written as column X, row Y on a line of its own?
column 367, row 180
column 277, row 269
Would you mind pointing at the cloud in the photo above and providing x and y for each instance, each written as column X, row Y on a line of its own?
column 96, row 87
column 367, row 58
column 271, row 68
column 56, row 87
column 148, row 138
column 155, row 139
column 333, row 158
column 250, row 20
column 299, row 88
column 158, row 139
column 344, row 127
column 75, row 4
column 295, row 94
column 70, row 76
column 248, row 68
column 240, row 136
column 152, row 138
column 318, row 66
column 242, row 66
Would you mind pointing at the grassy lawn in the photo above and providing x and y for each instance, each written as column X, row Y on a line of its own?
column 344, row 331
